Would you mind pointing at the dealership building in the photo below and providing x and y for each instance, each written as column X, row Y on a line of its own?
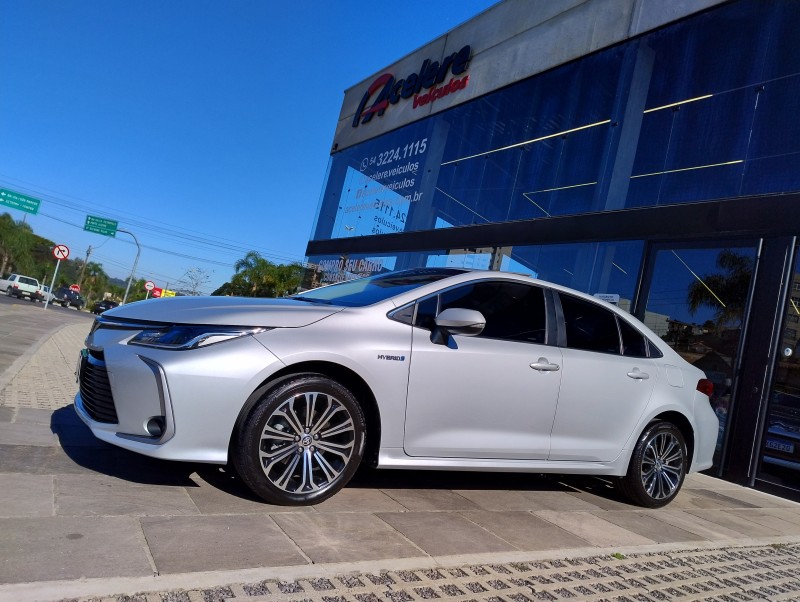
column 645, row 152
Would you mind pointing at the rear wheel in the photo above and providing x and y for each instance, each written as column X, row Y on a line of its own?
column 302, row 442
column 658, row 466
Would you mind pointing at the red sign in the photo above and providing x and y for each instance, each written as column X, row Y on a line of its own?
column 60, row 252
column 75, row 287
column 157, row 292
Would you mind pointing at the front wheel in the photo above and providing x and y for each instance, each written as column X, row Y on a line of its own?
column 302, row 442
column 658, row 466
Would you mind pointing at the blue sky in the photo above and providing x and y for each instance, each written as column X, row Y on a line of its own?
column 202, row 127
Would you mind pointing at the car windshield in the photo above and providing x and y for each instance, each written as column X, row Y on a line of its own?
column 366, row 291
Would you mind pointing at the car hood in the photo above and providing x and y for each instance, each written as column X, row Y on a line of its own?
column 229, row 311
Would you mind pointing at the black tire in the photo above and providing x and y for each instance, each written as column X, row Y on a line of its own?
column 658, row 466
column 324, row 431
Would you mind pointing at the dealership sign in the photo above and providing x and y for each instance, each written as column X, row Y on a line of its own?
column 425, row 86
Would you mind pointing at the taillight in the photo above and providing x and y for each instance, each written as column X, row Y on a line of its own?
column 705, row 386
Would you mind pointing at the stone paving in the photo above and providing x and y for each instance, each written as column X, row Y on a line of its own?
column 47, row 380
column 82, row 520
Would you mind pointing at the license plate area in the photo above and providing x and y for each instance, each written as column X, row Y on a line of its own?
column 780, row 446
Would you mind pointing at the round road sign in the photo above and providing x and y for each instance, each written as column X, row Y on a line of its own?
column 75, row 287
column 149, row 285
column 60, row 252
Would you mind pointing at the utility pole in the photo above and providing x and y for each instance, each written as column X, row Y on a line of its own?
column 83, row 267
column 135, row 261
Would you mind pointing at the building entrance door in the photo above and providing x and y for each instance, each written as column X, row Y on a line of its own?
column 780, row 450
column 695, row 298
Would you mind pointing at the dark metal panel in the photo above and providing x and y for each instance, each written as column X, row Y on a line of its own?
column 750, row 217
column 748, row 414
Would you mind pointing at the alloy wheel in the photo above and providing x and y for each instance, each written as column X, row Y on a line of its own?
column 307, row 442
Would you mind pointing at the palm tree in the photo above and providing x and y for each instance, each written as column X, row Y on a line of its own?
column 259, row 277
column 726, row 291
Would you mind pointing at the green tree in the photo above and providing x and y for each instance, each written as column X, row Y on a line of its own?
column 725, row 291
column 17, row 242
column 259, row 277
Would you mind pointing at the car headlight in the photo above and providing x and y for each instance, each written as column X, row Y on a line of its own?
column 190, row 337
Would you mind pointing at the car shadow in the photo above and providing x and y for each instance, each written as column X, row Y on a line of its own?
column 86, row 451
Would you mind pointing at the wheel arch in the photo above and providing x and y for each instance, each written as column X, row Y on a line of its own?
column 684, row 426
column 341, row 374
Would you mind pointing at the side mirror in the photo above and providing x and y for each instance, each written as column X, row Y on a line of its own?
column 456, row 320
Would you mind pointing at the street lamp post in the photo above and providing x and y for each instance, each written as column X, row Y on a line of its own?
column 135, row 262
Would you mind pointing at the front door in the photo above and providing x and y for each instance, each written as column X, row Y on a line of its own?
column 489, row 396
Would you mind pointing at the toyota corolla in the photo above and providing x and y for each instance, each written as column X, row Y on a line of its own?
column 422, row 369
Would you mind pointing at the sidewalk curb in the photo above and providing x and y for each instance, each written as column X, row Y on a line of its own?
column 50, row 591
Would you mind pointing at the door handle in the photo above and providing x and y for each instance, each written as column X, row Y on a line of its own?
column 542, row 365
column 638, row 374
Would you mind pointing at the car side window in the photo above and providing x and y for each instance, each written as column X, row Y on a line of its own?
column 633, row 342
column 513, row 311
column 589, row 326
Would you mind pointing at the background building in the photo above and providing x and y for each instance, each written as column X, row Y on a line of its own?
column 648, row 152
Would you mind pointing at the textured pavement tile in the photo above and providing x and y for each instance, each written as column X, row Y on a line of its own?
column 724, row 499
column 213, row 543
column 788, row 514
column 526, row 531
column 44, row 549
column 561, row 501
column 223, row 494
column 647, row 524
column 346, row 537
column 594, row 529
column 731, row 521
column 768, row 519
column 7, row 414
column 100, row 495
column 430, row 499
column 35, row 416
column 494, row 500
column 694, row 499
column 689, row 522
column 37, row 460
column 26, row 495
column 696, row 480
column 602, row 502
column 759, row 498
column 445, row 533
column 359, row 500
column 26, row 433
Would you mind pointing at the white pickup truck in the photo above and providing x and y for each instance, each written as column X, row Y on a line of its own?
column 20, row 286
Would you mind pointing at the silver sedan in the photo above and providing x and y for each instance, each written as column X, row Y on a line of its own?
column 427, row 368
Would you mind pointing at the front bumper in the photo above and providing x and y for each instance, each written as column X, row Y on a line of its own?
column 196, row 394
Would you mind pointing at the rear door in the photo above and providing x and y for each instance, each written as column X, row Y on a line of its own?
column 606, row 383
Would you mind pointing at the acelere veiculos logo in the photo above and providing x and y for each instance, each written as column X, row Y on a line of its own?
column 387, row 90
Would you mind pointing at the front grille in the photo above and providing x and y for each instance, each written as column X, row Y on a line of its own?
column 96, row 390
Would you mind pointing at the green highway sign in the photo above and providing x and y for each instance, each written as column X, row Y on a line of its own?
column 100, row 225
column 15, row 200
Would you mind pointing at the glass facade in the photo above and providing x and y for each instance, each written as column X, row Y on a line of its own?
column 700, row 110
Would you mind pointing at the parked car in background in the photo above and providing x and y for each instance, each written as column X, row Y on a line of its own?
column 20, row 286
column 65, row 297
column 432, row 368
column 45, row 294
column 103, row 305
